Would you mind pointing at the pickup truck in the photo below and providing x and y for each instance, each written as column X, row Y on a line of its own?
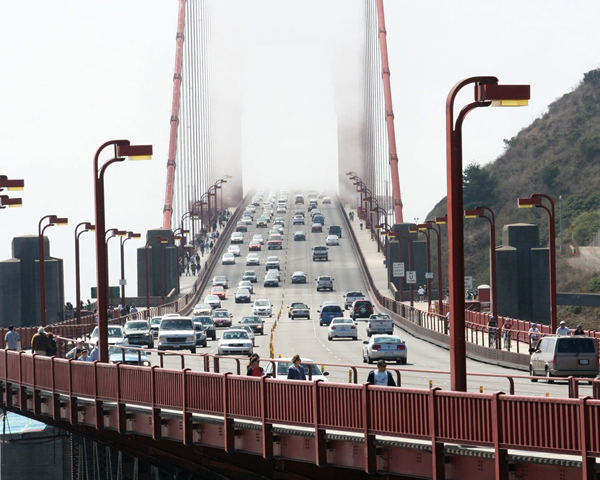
column 380, row 323
column 320, row 252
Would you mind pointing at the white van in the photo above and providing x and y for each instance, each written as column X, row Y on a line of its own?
column 556, row 356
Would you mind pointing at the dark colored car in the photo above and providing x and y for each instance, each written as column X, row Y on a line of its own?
column 255, row 323
column 335, row 230
column 138, row 332
column 243, row 296
column 361, row 309
column 299, row 236
column 221, row 318
column 207, row 324
column 316, row 228
column 298, row 277
column 271, row 281
column 250, row 275
column 329, row 312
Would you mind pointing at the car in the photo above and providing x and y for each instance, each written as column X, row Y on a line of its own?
column 202, row 309
column 255, row 323
column 324, row 282
column 222, row 318
column 154, row 324
column 272, row 262
column 250, row 275
column 298, row 277
column 251, row 208
column 237, row 237
column 564, row 356
column 335, row 230
column 213, row 301
column 235, row 342
column 118, row 353
column 332, row 240
column 342, row 327
column 235, row 249
column 247, row 284
column 316, row 228
column 315, row 211
column 278, row 229
column 262, row 308
column 361, row 309
column 298, row 220
column 384, row 347
column 219, row 292
column 298, row 310
column 253, row 258
column 247, row 219
column 208, row 325
column 274, row 242
column 326, row 200
column 138, row 332
column 380, row 323
column 351, row 297
column 319, row 219
column 241, row 227
column 299, row 199
column 220, row 280
column 329, row 312
column 254, row 245
column 228, row 259
column 246, row 329
column 271, row 280
column 279, row 221
column 259, row 238
column 115, row 335
column 300, row 212
column 200, row 334
column 311, row 370
column 299, row 236
column 261, row 223
column 243, row 296
column 177, row 333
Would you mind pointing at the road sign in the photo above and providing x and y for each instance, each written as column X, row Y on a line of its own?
column 411, row 277
column 428, row 274
column 122, row 281
column 468, row 283
column 398, row 269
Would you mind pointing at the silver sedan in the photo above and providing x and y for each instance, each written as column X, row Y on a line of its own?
column 385, row 347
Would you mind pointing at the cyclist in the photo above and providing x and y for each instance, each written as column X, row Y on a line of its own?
column 534, row 335
column 492, row 325
column 507, row 330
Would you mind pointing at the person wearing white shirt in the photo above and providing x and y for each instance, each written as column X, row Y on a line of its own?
column 381, row 376
column 563, row 329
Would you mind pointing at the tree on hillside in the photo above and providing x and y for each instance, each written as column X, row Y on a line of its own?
column 478, row 186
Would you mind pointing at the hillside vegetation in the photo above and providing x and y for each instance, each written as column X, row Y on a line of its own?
column 557, row 155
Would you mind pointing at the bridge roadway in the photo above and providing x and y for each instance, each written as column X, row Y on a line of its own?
column 309, row 340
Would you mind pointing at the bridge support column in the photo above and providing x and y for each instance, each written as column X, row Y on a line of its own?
column 369, row 448
column 228, row 433
column 320, row 445
column 438, row 469
column 500, row 465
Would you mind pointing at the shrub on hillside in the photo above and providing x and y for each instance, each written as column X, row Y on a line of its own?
column 586, row 225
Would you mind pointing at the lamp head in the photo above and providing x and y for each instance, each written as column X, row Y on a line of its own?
column 5, row 201
column 529, row 202
column 503, row 95
column 135, row 152
column 441, row 220
column 474, row 213
column 11, row 184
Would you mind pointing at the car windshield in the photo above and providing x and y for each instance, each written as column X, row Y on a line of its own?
column 249, row 272
column 299, row 305
column 115, row 332
column 155, row 321
column 262, row 303
column 137, row 326
column 250, row 320
column 283, row 367
column 221, row 315
column 380, row 317
column 113, row 351
column 355, row 294
column 324, row 279
column 203, row 320
column 220, row 279
column 243, row 291
column 386, row 340
column 175, row 324
column 235, row 335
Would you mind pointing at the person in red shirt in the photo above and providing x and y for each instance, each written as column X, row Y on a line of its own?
column 254, row 369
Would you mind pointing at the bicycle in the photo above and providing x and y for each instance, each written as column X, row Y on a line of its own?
column 492, row 337
column 507, row 339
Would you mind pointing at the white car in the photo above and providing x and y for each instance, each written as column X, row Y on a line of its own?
column 258, row 237
column 252, row 259
column 246, row 329
column 283, row 364
column 342, row 327
column 332, row 240
column 237, row 237
column 247, row 284
column 235, row 342
column 228, row 259
column 384, row 347
column 115, row 335
column 262, row 308
column 235, row 249
column 202, row 309
column 213, row 300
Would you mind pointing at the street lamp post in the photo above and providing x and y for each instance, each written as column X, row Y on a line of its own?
column 487, row 92
column 536, row 201
column 87, row 226
column 378, row 210
column 560, row 248
column 52, row 220
column 122, row 241
column 115, row 232
column 480, row 211
column 406, row 236
column 122, row 149
column 432, row 225
column 148, row 243
column 424, row 229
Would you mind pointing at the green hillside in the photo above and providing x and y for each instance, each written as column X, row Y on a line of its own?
column 557, row 155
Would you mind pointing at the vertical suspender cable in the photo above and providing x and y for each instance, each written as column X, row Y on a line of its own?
column 389, row 114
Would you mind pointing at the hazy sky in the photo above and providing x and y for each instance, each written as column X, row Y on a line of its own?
column 78, row 73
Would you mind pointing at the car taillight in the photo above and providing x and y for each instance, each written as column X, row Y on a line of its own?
column 352, row 328
column 333, row 328
column 376, row 347
column 554, row 361
column 401, row 347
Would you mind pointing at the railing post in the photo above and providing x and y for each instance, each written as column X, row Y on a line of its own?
column 121, row 414
column 72, row 399
column 187, row 416
column 370, row 452
column 437, row 448
column 98, row 410
column 155, row 413
column 573, row 387
column 588, row 463
column 500, row 464
column 228, row 433
column 320, row 446
column 36, row 400
column 55, row 396
column 267, row 428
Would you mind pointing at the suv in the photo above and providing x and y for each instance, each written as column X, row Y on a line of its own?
column 208, row 325
column 329, row 312
column 320, row 252
column 351, row 297
column 177, row 333
column 324, row 282
column 272, row 262
column 138, row 333
column 575, row 356
column 262, row 308
column 335, row 230
column 361, row 309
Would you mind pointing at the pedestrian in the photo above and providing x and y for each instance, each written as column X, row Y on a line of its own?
column 197, row 259
column 187, row 270
column 51, row 346
column 202, row 248
column 38, row 342
column 534, row 334
column 12, row 339
column 381, row 376
column 492, row 326
column 562, row 330
column 210, row 245
column 193, row 269
column 421, row 292
column 578, row 330
column 94, row 354
column 254, row 369
column 76, row 352
column 133, row 311
column 447, row 322
column 507, row 333
column 296, row 372
column 361, row 224
column 84, row 356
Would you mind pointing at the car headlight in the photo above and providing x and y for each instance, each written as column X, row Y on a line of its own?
column 247, row 344
column 147, row 334
column 161, row 339
column 189, row 339
column 146, row 364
